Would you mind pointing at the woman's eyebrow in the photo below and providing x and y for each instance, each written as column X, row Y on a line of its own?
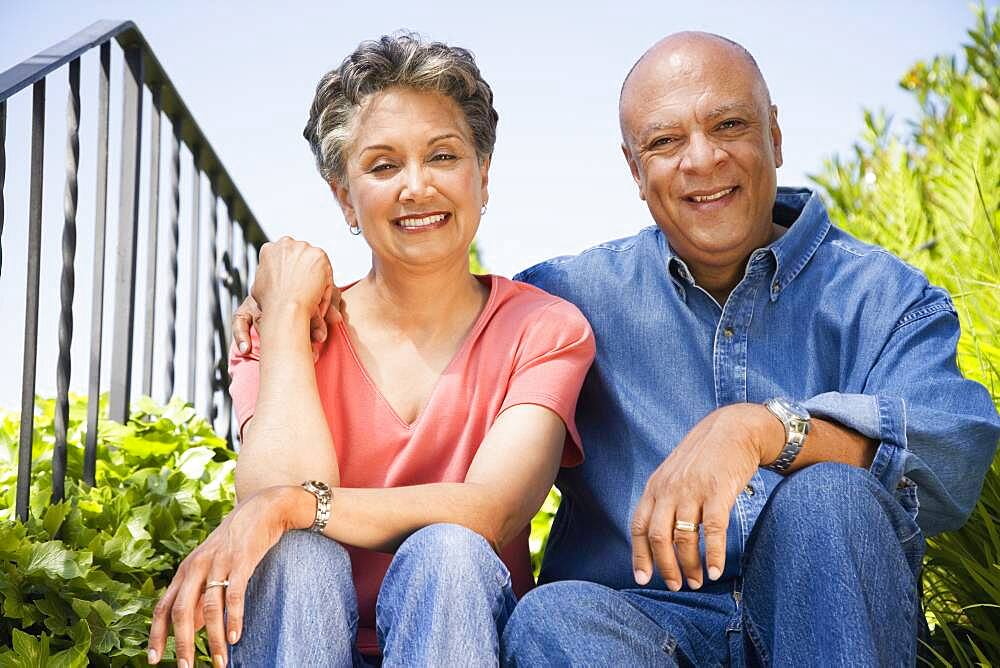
column 377, row 147
column 447, row 135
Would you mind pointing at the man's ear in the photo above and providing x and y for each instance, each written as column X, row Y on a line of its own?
column 775, row 135
column 633, row 167
column 342, row 195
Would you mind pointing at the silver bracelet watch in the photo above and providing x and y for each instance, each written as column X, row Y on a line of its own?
column 323, row 495
column 795, row 419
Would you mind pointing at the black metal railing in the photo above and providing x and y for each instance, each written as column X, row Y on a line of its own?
column 228, row 275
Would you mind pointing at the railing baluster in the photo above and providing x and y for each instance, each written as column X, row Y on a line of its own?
column 195, row 243
column 232, row 289
column 247, row 249
column 97, row 303
column 3, row 170
column 67, row 284
column 24, row 453
column 128, row 223
column 154, row 216
column 213, row 303
column 175, row 204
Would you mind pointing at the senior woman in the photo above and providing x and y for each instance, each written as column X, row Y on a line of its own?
column 429, row 426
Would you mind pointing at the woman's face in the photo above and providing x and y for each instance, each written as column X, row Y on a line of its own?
column 414, row 182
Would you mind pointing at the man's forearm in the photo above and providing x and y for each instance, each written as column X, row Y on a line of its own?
column 827, row 441
column 288, row 439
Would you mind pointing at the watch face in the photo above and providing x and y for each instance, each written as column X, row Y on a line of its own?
column 795, row 408
column 321, row 486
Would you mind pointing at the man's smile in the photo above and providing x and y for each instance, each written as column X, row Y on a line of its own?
column 710, row 196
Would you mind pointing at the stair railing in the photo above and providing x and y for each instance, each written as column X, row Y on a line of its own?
column 228, row 275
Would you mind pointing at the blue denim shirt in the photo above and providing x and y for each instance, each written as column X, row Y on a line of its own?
column 846, row 328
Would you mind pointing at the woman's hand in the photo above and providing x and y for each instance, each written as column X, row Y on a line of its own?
column 231, row 552
column 294, row 273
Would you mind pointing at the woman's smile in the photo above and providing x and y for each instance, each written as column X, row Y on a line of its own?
column 422, row 222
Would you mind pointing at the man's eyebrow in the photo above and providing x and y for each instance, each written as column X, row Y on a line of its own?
column 653, row 128
column 725, row 109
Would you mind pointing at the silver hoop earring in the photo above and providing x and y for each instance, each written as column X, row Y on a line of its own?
column 482, row 212
column 355, row 229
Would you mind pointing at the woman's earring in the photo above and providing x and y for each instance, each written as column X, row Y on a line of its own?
column 355, row 229
column 482, row 212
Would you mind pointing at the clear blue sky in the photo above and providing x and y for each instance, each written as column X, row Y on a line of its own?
column 247, row 71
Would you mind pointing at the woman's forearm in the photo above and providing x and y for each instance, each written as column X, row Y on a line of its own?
column 288, row 439
column 382, row 518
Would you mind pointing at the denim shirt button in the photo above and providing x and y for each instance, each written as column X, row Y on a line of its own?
column 749, row 490
column 728, row 332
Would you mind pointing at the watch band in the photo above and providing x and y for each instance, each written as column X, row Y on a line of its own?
column 323, row 496
column 796, row 422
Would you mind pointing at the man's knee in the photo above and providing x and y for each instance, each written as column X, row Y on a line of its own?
column 827, row 495
column 546, row 612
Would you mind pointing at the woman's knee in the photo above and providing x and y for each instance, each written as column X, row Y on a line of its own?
column 303, row 562
column 447, row 547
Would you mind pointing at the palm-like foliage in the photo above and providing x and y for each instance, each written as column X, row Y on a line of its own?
column 931, row 196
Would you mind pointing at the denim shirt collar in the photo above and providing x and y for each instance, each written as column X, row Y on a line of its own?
column 801, row 211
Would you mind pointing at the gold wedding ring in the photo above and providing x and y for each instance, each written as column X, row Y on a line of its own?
column 216, row 583
column 681, row 525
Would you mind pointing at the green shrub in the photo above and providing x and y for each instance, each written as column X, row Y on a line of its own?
column 931, row 196
column 79, row 579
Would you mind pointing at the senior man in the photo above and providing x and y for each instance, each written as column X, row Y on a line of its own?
column 774, row 419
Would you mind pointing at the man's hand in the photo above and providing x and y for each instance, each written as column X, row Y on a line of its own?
column 296, row 270
column 230, row 554
column 698, row 483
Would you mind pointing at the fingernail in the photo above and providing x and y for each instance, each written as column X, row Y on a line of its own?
column 694, row 584
column 641, row 577
column 674, row 585
column 182, row 663
column 714, row 573
column 218, row 661
column 244, row 347
column 151, row 656
column 232, row 637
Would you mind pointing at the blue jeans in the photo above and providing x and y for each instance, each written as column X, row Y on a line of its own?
column 446, row 597
column 829, row 578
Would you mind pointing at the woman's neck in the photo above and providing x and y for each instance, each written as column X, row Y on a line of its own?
column 428, row 299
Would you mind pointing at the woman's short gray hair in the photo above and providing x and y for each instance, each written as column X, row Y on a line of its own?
column 400, row 60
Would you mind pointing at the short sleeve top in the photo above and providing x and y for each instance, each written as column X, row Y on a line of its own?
column 526, row 347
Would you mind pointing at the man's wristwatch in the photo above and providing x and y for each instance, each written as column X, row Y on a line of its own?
column 795, row 418
column 323, row 495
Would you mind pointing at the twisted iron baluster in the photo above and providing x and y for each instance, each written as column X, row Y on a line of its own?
column 174, row 238
column 213, row 305
column 67, row 283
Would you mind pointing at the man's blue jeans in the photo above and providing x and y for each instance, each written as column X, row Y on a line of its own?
column 829, row 578
column 444, row 600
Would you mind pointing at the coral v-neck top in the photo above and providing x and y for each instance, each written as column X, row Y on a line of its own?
column 526, row 347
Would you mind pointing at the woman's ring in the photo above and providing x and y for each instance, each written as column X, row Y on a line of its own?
column 216, row 583
column 681, row 525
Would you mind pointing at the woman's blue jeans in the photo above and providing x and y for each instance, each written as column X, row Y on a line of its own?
column 444, row 599
column 829, row 578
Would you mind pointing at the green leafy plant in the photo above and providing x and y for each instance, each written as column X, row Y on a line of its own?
column 931, row 196
column 78, row 580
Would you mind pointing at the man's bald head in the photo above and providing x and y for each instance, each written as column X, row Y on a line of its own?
column 689, row 43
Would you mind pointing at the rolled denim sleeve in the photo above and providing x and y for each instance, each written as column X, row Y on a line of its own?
column 933, row 426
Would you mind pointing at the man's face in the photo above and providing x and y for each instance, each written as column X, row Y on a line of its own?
column 703, row 146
